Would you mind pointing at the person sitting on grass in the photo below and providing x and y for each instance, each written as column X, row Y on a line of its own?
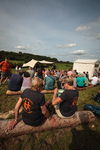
column 26, row 81
column 49, row 81
column 15, row 82
column 35, row 109
column 65, row 104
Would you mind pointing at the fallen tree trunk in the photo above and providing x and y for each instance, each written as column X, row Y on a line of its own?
column 21, row 128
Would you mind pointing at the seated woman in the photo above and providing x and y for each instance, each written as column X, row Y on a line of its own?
column 26, row 81
column 34, row 107
column 67, row 100
column 80, row 80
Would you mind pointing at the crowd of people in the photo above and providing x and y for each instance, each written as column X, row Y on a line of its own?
column 32, row 82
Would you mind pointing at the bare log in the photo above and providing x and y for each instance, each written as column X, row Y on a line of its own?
column 47, row 91
column 8, row 92
column 21, row 128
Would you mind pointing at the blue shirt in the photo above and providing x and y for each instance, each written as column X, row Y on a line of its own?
column 49, row 82
column 80, row 81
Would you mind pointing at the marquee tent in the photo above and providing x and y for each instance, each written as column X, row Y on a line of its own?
column 33, row 62
column 86, row 65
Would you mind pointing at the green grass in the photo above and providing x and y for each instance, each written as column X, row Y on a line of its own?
column 81, row 137
column 78, row 138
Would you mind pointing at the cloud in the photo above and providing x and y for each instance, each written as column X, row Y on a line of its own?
column 79, row 52
column 21, row 47
column 66, row 46
column 98, row 36
column 98, row 52
column 66, row 40
column 1, row 42
column 88, row 34
column 98, row 19
column 83, row 28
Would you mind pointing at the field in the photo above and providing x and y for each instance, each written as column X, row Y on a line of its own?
column 81, row 137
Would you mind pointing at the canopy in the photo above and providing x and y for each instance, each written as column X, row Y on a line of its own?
column 33, row 62
column 86, row 65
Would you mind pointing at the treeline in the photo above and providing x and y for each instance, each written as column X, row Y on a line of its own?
column 26, row 57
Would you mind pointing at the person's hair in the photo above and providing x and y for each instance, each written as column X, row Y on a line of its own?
column 79, row 74
column 6, row 57
column 73, row 74
column 39, row 72
column 20, row 73
column 68, row 79
column 48, row 72
column 26, row 74
column 36, row 82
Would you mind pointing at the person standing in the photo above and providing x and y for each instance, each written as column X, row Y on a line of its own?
column 5, row 70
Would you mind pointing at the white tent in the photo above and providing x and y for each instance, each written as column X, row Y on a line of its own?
column 30, row 63
column 86, row 65
column 33, row 62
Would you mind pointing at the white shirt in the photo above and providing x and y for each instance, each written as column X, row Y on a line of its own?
column 94, row 80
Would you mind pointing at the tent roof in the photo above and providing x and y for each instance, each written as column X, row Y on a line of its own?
column 33, row 62
column 30, row 63
column 46, row 62
column 86, row 61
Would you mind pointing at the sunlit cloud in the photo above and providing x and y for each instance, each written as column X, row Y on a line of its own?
column 83, row 28
column 20, row 47
column 98, row 36
column 79, row 52
column 66, row 46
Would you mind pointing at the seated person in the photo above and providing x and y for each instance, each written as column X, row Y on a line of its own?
column 39, row 73
column 96, row 97
column 86, row 79
column 34, row 107
column 26, row 81
column 31, row 72
column 15, row 82
column 74, row 79
column 94, row 80
column 49, row 81
column 67, row 100
column 80, row 80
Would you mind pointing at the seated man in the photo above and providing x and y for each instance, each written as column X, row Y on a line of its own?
column 80, row 80
column 67, row 100
column 15, row 82
column 34, row 107
column 49, row 81
column 94, row 80
column 31, row 72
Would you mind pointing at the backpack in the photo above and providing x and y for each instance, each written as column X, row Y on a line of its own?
column 93, row 108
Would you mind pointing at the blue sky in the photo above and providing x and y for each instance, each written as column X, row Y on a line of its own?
column 64, row 29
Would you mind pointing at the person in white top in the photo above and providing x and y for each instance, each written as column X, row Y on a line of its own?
column 94, row 80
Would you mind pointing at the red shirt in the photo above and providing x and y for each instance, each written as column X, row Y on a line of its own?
column 5, row 66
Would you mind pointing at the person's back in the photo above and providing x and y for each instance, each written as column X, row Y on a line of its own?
column 15, row 82
column 80, row 81
column 49, row 82
column 86, row 79
column 26, row 81
column 94, row 80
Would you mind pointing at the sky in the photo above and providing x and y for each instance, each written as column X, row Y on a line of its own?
column 64, row 29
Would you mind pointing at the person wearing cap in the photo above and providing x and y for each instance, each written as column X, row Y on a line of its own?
column 65, row 104
column 35, row 109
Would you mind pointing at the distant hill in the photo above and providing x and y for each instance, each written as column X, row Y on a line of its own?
column 26, row 57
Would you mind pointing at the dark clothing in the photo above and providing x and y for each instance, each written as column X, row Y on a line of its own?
column 32, row 102
column 68, row 106
column 15, row 82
